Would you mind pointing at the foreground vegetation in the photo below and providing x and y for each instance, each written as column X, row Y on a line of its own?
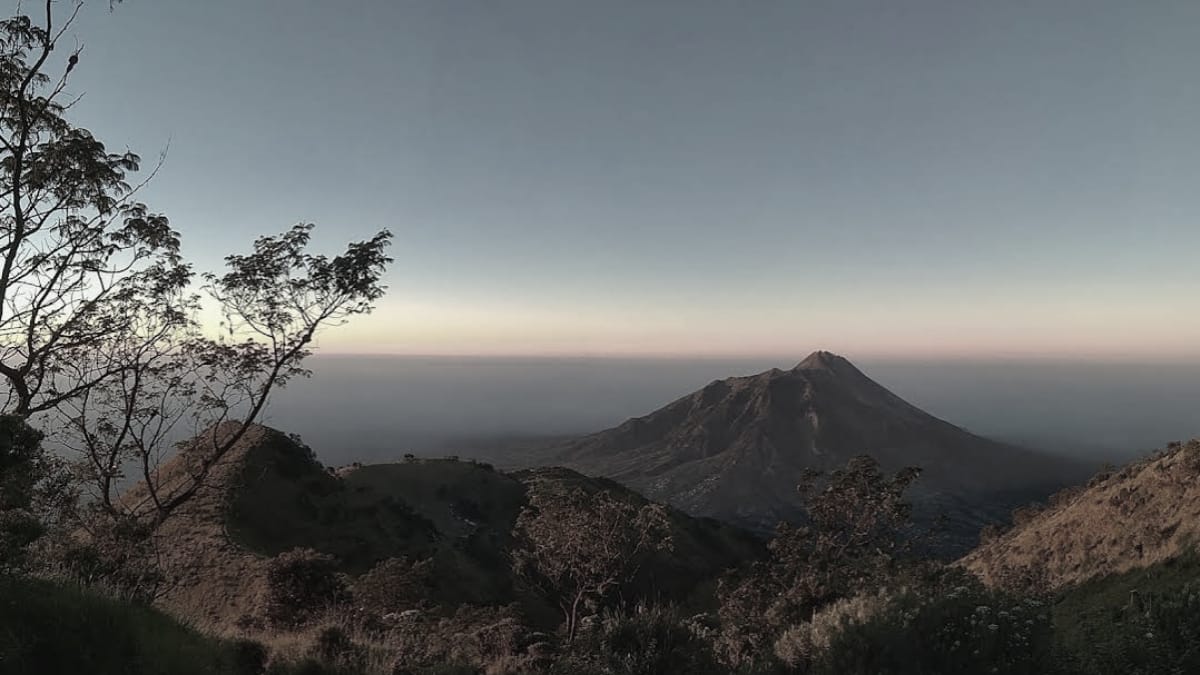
column 1142, row 623
column 55, row 628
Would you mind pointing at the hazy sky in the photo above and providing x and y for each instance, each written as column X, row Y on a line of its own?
column 691, row 177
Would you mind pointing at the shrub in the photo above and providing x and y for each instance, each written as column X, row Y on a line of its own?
column 18, row 529
column 24, row 470
column 1155, row 632
column 472, row 638
column 334, row 647
column 301, row 583
column 1191, row 456
column 963, row 629
column 799, row 645
column 990, row 533
column 645, row 641
column 120, row 558
column 249, row 657
column 393, row 585
column 48, row 628
column 1024, row 514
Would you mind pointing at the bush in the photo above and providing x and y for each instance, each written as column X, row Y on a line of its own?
column 334, row 647
column 645, row 641
column 119, row 559
column 801, row 644
column 22, row 469
column 1024, row 514
column 18, row 529
column 1141, row 622
column 1159, row 634
column 394, row 585
column 47, row 628
column 475, row 638
column 249, row 657
column 1191, row 456
column 300, row 584
column 963, row 629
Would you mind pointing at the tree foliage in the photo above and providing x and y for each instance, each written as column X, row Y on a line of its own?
column 100, row 336
column 855, row 539
column 21, row 472
column 302, row 582
column 579, row 547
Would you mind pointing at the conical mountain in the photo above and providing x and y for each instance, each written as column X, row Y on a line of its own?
column 737, row 448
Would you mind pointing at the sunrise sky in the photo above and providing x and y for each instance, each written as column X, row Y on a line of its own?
column 689, row 177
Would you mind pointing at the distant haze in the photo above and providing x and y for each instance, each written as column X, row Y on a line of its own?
column 377, row 408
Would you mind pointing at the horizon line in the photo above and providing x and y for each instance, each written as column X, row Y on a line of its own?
column 797, row 356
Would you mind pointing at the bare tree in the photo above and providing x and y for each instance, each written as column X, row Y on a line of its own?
column 579, row 546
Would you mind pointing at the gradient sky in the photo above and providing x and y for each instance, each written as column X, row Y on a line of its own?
column 690, row 177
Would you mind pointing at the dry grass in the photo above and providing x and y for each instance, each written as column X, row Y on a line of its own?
column 1143, row 514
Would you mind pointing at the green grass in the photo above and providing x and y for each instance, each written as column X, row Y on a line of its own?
column 1100, row 627
column 46, row 629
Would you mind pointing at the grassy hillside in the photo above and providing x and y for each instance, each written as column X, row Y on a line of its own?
column 1143, row 621
column 1145, row 513
column 48, row 629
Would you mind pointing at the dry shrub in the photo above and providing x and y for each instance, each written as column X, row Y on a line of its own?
column 1066, row 495
column 249, row 657
column 300, row 584
column 1191, row 456
column 646, row 639
column 394, row 585
column 334, row 646
column 1024, row 514
column 482, row 637
column 800, row 644
column 120, row 558
column 990, row 533
column 1031, row 578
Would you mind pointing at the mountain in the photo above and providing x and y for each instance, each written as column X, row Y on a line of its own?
column 737, row 448
column 1142, row 515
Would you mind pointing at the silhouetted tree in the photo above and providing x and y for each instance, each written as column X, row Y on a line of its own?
column 100, row 340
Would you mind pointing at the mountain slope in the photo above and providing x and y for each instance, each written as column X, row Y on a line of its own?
column 1146, row 513
column 737, row 448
